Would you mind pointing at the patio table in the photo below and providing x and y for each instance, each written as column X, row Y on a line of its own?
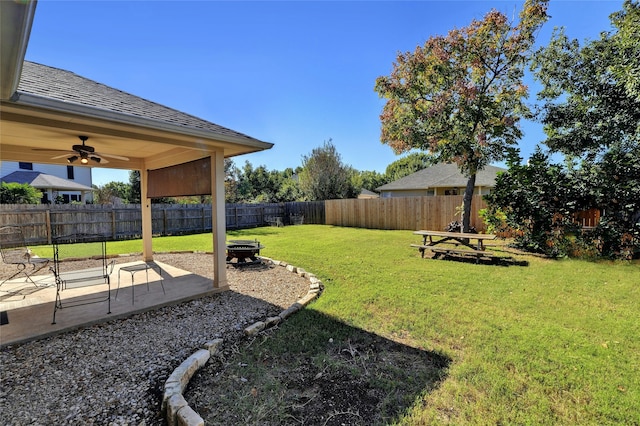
column 132, row 269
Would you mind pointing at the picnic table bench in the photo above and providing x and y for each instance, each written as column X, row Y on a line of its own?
column 451, row 241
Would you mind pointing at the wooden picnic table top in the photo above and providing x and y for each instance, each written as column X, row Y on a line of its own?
column 456, row 235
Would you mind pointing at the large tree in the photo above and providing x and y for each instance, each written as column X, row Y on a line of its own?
column 324, row 176
column 591, row 111
column 627, row 41
column 460, row 96
column 588, row 106
column 405, row 166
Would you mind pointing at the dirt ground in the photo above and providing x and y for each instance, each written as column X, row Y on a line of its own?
column 289, row 376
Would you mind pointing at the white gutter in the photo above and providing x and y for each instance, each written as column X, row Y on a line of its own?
column 16, row 18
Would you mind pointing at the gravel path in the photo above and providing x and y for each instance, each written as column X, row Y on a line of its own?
column 113, row 373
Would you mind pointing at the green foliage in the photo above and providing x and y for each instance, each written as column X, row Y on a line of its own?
column 324, row 176
column 134, row 182
column 460, row 97
column 259, row 185
column 368, row 180
column 106, row 193
column 614, row 188
column 586, row 109
column 591, row 111
column 538, row 201
column 627, row 42
column 19, row 193
column 407, row 165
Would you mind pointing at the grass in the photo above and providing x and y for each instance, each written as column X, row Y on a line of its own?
column 554, row 342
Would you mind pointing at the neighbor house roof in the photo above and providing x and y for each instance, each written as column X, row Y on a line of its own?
column 49, row 83
column 44, row 181
column 443, row 175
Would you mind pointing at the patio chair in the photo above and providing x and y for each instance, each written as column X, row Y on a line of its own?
column 97, row 269
column 16, row 252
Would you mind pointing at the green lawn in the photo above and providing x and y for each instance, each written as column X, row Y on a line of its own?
column 553, row 342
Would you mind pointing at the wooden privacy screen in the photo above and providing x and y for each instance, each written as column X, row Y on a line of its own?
column 192, row 178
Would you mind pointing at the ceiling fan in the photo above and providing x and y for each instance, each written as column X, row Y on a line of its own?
column 84, row 153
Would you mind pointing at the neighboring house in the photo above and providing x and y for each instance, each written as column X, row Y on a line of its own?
column 439, row 179
column 68, row 182
column 365, row 193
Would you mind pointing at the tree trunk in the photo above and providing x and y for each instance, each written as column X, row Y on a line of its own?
column 468, row 198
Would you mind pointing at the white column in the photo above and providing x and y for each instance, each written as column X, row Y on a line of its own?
column 218, row 221
column 147, row 234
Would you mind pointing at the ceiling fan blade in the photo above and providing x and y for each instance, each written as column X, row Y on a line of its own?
column 116, row 157
column 63, row 155
column 49, row 150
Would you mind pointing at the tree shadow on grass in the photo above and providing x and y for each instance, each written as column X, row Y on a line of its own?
column 313, row 369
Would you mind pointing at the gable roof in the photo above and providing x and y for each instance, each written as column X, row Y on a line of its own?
column 442, row 175
column 46, row 82
column 44, row 181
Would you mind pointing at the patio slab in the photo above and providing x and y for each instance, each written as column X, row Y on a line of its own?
column 28, row 310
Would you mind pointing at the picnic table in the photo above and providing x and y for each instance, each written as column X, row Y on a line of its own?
column 447, row 243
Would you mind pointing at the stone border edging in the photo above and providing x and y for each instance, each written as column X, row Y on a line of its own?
column 176, row 408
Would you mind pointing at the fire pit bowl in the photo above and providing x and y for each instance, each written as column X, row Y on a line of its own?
column 244, row 251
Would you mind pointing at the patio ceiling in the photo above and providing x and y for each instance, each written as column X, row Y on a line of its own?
column 26, row 127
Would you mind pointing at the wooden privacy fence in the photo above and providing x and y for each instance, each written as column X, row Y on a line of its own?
column 253, row 215
column 411, row 213
column 41, row 222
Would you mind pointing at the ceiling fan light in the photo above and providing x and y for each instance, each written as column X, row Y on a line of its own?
column 96, row 159
column 72, row 158
column 84, row 158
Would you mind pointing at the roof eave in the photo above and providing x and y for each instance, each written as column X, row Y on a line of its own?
column 35, row 101
column 16, row 19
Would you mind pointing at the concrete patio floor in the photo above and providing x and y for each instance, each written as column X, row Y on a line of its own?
column 28, row 310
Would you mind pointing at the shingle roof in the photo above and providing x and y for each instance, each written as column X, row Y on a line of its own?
column 66, row 86
column 440, row 176
column 43, row 181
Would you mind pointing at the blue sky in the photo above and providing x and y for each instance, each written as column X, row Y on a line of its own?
column 294, row 73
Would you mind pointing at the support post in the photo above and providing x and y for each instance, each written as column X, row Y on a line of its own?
column 218, row 221
column 145, row 205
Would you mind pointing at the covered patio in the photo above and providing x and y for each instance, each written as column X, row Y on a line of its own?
column 45, row 110
column 26, row 310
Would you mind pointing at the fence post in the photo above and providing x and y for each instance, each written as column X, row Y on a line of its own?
column 164, row 221
column 47, row 221
column 113, row 223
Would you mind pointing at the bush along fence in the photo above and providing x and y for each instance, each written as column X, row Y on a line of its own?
column 40, row 222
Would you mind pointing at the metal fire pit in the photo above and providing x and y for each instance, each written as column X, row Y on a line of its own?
column 244, row 251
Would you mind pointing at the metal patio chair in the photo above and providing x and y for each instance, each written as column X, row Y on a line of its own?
column 15, row 251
